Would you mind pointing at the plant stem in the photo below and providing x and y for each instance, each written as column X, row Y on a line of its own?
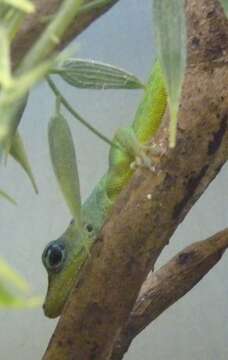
column 94, row 4
column 14, row 24
column 52, row 35
column 173, row 109
column 75, row 114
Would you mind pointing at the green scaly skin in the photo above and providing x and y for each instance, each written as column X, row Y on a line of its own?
column 78, row 239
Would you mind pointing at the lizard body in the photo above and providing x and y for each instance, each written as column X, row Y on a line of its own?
column 64, row 257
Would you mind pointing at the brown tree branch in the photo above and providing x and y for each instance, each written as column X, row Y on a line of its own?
column 167, row 285
column 149, row 210
column 34, row 25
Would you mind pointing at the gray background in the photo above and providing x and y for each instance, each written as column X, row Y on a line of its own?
column 194, row 328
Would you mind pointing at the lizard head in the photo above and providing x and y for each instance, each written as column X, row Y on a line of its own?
column 63, row 259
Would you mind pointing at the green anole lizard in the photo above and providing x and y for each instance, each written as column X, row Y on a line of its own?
column 64, row 257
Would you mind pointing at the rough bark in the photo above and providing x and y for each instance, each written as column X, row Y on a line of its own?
column 149, row 210
column 34, row 25
column 167, row 285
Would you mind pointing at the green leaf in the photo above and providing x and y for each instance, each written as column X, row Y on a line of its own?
column 4, row 10
column 10, row 116
column 64, row 163
column 12, row 102
column 225, row 5
column 10, row 276
column 8, row 300
column 7, row 197
column 5, row 71
column 170, row 31
column 20, row 85
column 23, row 5
column 89, row 74
column 17, row 151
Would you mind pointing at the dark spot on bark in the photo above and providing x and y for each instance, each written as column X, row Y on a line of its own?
column 193, row 182
column 70, row 342
column 195, row 42
column 213, row 145
column 93, row 352
column 131, row 263
column 79, row 283
column 96, row 315
column 214, row 52
column 211, row 14
column 191, row 187
column 169, row 180
column 60, row 343
column 185, row 258
column 212, row 70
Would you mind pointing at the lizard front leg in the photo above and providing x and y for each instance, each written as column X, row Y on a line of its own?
column 126, row 154
column 141, row 155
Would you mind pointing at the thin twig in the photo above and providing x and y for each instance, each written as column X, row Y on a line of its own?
column 75, row 114
column 52, row 35
column 45, row 12
column 167, row 285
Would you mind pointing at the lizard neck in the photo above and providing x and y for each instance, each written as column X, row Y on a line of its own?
column 97, row 207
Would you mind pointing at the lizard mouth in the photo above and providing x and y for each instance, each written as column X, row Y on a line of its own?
column 52, row 309
column 57, row 294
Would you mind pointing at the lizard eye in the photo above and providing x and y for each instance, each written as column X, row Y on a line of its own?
column 54, row 256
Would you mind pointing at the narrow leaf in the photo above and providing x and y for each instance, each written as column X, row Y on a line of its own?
column 89, row 74
column 5, row 71
column 10, row 116
column 17, row 151
column 9, row 279
column 23, row 5
column 7, row 197
column 22, row 84
column 64, row 163
column 9, row 275
column 170, row 31
column 8, row 300
column 4, row 10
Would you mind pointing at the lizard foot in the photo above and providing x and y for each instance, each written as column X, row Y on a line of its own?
column 148, row 157
column 142, row 155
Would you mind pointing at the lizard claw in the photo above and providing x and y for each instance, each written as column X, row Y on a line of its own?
column 148, row 157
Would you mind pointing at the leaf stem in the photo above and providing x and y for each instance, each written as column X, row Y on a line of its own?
column 173, row 110
column 46, row 43
column 57, row 105
column 75, row 114
column 52, row 35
